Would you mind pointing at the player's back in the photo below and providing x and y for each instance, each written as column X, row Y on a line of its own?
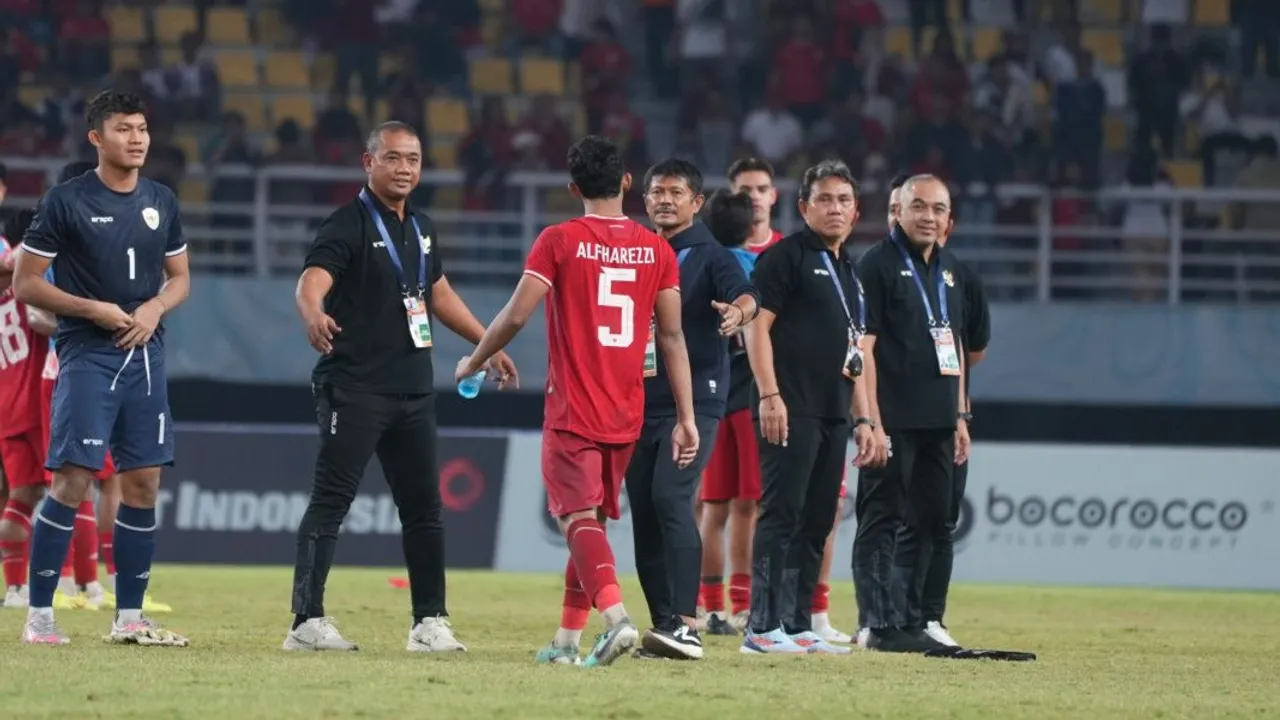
column 605, row 277
column 22, row 358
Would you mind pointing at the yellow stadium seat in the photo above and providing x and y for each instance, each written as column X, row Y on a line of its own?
column 1105, row 12
column 492, row 29
column 1211, row 13
column 356, row 104
column 174, row 21
column 987, row 43
column 193, row 191
column 573, row 79
column 491, row 76
column 898, row 42
column 237, row 68
column 448, row 196
column 1185, row 173
column 251, row 106
column 124, row 56
column 227, row 26
column 1115, row 131
column 299, row 107
column 32, row 96
column 444, row 155
column 1040, row 94
column 955, row 12
column 287, row 69
column 1191, row 137
column 127, row 24
column 447, row 116
column 324, row 71
column 541, row 75
column 389, row 63
column 270, row 28
column 1107, row 46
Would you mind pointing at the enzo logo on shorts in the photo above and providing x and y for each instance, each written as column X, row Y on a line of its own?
column 95, row 442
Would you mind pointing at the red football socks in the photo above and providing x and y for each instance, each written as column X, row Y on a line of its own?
column 15, row 553
column 821, row 598
column 712, row 594
column 577, row 606
column 590, row 552
column 106, row 549
column 84, row 545
column 739, row 592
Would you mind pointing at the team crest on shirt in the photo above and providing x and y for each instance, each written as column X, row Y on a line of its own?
column 425, row 240
column 151, row 217
column 948, row 278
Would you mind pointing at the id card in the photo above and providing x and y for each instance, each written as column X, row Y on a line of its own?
column 651, row 352
column 419, row 322
column 944, row 344
column 853, row 358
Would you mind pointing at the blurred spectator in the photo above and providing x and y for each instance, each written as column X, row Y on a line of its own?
column 463, row 17
column 551, row 131
column 85, row 42
column 578, row 23
column 939, row 128
column 485, row 155
column 533, row 24
column 526, row 153
column 1070, row 211
column 154, row 76
column 801, row 69
column 1263, row 173
column 406, row 92
column 291, row 148
column 858, row 39
column 605, row 66
column 1007, row 101
column 1060, row 60
column 629, row 132
column 1079, row 107
column 926, row 13
column 1157, row 78
column 20, row 135
column 702, row 37
column 982, row 163
column 1144, row 229
column 848, row 132
column 942, row 74
column 659, row 28
column 437, row 53
column 230, row 146
column 195, row 90
column 1259, row 23
column 336, row 124
column 715, row 132
column 166, row 162
column 1213, row 108
column 353, row 32
column 62, row 109
column 772, row 132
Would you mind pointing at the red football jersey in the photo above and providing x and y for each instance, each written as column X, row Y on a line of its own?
column 22, row 358
column 605, row 275
column 757, row 249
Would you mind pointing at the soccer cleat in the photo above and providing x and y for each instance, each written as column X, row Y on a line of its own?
column 145, row 632
column 717, row 625
column 938, row 632
column 150, row 605
column 62, row 601
column 613, row 644
column 775, row 642
column 15, row 597
column 95, row 597
column 861, row 639
column 822, row 626
column 740, row 620
column 317, row 634
column 41, row 629
column 678, row 642
column 559, row 655
column 642, row 654
column 894, row 640
column 434, row 634
column 813, row 642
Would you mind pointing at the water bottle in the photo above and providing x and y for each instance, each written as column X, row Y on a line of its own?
column 470, row 385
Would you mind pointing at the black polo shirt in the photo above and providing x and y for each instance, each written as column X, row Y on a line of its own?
column 811, row 332
column 374, row 352
column 977, row 315
column 912, row 392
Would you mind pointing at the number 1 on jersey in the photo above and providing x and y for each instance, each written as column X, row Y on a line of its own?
column 607, row 297
column 133, row 264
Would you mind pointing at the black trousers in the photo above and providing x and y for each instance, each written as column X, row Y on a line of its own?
column 401, row 430
column 801, row 493
column 937, row 579
column 668, row 547
column 902, row 512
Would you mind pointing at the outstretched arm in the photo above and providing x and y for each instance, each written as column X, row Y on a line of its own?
column 524, row 301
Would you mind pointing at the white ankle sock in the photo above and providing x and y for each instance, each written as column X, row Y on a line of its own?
column 614, row 615
column 567, row 638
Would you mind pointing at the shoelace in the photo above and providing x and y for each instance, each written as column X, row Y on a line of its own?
column 46, row 626
column 328, row 627
column 437, row 628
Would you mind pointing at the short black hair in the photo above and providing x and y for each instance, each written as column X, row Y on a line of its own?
column 110, row 102
column 374, row 140
column 749, row 164
column 730, row 216
column 898, row 181
column 75, row 169
column 595, row 166
column 824, row 170
column 676, row 168
column 15, row 226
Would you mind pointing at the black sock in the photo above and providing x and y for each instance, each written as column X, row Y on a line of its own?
column 298, row 620
column 417, row 620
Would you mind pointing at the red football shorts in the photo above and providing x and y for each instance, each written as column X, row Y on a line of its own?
column 23, row 458
column 46, row 420
column 581, row 474
column 733, row 472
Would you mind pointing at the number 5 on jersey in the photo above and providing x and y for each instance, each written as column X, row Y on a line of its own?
column 608, row 296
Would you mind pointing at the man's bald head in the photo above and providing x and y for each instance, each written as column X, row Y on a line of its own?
column 924, row 209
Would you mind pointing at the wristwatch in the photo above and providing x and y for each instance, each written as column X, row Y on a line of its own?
column 864, row 421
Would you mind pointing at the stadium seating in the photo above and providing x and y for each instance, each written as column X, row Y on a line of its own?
column 287, row 70
column 172, row 21
column 251, row 106
column 446, row 116
column 541, row 75
column 1185, row 173
column 299, row 107
column 1211, row 13
column 128, row 24
column 1107, row 46
column 227, row 26
column 237, row 69
column 491, row 76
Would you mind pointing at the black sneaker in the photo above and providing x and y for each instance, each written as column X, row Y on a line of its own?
column 717, row 625
column 642, row 654
column 894, row 640
column 678, row 642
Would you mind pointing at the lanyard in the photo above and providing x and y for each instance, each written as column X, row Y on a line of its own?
column 391, row 246
column 680, row 256
column 942, row 288
column 844, row 304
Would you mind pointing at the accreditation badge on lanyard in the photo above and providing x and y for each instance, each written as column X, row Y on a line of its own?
column 852, row 366
column 415, row 306
column 651, row 344
column 944, row 342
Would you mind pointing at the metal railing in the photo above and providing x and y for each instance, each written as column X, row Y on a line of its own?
column 1176, row 252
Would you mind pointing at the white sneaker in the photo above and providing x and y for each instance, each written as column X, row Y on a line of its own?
column 317, row 634
column 433, row 634
column 863, row 635
column 40, row 629
column 822, row 626
column 739, row 620
column 938, row 632
column 15, row 597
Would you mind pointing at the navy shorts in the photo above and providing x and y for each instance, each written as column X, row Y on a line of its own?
column 109, row 399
